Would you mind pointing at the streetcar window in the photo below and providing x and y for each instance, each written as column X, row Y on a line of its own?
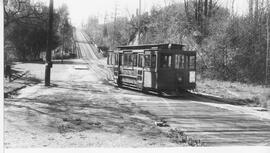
column 165, row 60
column 140, row 59
column 129, row 63
column 179, row 61
column 134, row 60
column 147, row 61
column 182, row 62
column 170, row 61
column 112, row 59
column 116, row 58
column 108, row 59
column 125, row 59
column 192, row 62
column 153, row 61
column 120, row 59
column 128, row 59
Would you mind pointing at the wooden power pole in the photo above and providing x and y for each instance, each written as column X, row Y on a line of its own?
column 49, row 47
column 114, row 24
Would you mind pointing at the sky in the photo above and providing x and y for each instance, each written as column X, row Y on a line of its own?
column 80, row 10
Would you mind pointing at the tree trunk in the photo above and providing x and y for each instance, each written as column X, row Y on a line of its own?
column 196, row 10
column 267, row 63
column 251, row 9
column 256, row 13
column 186, row 9
column 233, row 1
column 205, row 8
column 210, row 8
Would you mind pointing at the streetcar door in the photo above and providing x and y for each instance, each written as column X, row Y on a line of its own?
column 118, row 68
column 192, row 68
column 115, row 66
column 139, row 70
column 189, row 70
column 150, row 62
column 180, row 68
column 166, row 72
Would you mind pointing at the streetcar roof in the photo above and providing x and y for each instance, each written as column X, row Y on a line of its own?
column 153, row 46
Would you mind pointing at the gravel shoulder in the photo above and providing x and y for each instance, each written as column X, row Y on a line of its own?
column 235, row 93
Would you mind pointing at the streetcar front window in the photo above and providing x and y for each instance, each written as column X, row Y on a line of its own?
column 182, row 62
column 165, row 60
column 140, row 60
column 130, row 59
column 116, row 58
column 179, row 61
column 108, row 59
column 192, row 62
column 153, row 61
column 113, row 59
column 120, row 59
column 147, row 61
column 134, row 57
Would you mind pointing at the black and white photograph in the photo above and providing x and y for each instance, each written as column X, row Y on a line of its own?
column 138, row 74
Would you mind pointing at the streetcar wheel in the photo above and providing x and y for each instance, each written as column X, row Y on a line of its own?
column 144, row 90
column 159, row 93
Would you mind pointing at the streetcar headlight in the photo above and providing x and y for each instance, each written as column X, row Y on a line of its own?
column 179, row 79
column 192, row 76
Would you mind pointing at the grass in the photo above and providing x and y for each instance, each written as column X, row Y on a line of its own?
column 179, row 137
column 19, row 80
column 253, row 95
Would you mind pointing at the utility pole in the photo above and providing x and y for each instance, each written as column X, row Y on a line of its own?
column 114, row 23
column 63, row 47
column 139, row 28
column 49, row 47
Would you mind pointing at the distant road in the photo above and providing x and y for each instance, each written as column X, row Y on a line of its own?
column 89, row 53
column 87, row 50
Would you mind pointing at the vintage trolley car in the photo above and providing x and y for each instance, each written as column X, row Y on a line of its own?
column 159, row 68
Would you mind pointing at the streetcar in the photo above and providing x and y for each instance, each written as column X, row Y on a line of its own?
column 153, row 67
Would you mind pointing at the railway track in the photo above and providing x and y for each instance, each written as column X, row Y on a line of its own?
column 92, row 58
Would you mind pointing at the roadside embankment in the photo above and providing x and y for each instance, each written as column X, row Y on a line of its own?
column 20, row 79
column 236, row 93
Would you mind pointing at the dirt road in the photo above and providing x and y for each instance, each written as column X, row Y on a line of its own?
column 82, row 109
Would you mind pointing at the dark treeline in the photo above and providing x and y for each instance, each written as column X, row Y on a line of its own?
column 230, row 47
column 26, row 26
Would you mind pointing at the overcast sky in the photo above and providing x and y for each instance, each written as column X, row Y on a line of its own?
column 81, row 9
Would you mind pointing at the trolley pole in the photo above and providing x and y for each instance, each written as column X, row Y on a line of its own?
column 48, row 64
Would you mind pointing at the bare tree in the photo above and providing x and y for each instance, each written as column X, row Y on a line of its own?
column 251, row 8
column 18, row 10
